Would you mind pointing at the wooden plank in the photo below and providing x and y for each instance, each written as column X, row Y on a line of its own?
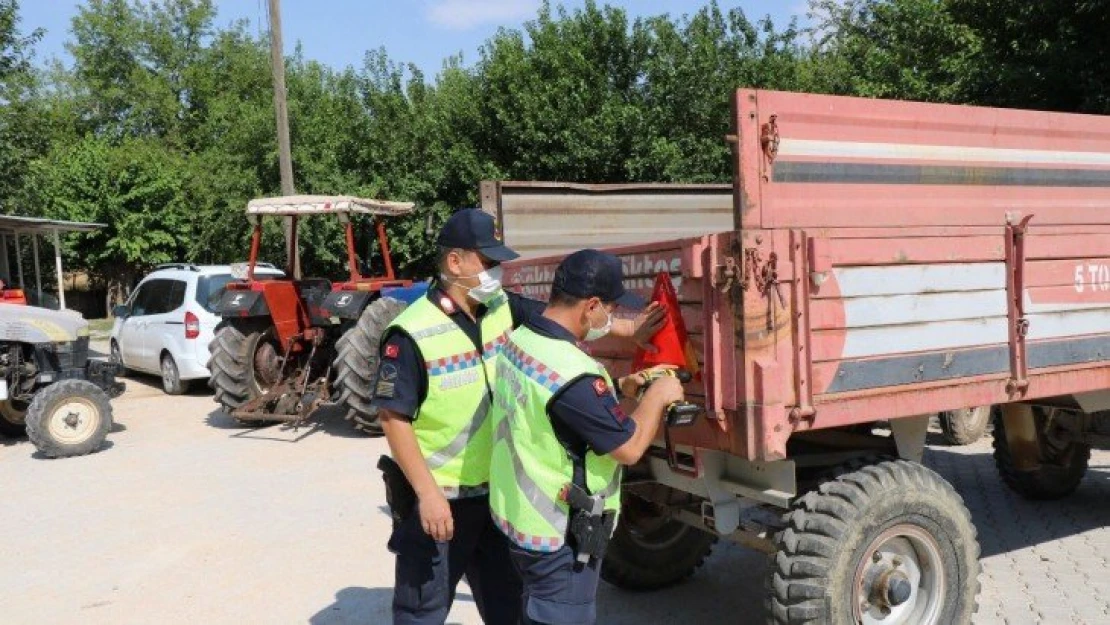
column 856, row 252
column 884, row 310
column 1059, row 298
column 913, row 279
column 1069, row 272
column 1054, row 246
column 1069, row 323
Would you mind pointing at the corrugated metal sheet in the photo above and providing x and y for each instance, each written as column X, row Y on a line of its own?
column 547, row 218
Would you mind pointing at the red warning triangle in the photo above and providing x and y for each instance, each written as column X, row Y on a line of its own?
column 672, row 341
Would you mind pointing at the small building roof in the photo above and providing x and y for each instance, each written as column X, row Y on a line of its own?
column 325, row 205
column 10, row 224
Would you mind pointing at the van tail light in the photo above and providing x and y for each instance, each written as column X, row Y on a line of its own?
column 192, row 326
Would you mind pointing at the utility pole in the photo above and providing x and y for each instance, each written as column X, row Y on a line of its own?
column 281, row 112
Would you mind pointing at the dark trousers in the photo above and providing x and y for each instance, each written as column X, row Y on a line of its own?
column 557, row 589
column 428, row 572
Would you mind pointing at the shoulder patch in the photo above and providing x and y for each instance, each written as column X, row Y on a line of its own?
column 618, row 413
column 601, row 387
column 385, row 390
column 447, row 304
column 392, row 350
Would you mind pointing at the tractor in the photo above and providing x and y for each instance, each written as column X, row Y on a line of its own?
column 287, row 346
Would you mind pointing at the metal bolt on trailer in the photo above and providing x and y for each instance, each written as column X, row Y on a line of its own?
column 882, row 262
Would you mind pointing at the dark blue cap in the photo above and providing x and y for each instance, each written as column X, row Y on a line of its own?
column 590, row 273
column 474, row 229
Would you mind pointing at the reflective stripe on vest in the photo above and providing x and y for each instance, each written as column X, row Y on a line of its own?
column 452, row 425
column 530, row 467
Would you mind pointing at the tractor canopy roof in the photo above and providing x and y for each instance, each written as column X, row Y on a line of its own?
column 303, row 205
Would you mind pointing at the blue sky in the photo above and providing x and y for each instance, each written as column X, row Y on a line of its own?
column 339, row 32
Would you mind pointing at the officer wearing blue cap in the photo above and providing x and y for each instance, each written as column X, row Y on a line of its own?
column 560, row 439
column 433, row 392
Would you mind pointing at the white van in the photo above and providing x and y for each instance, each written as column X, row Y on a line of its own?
column 166, row 325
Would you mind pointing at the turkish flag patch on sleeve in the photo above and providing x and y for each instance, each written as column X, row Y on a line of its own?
column 392, row 350
column 600, row 387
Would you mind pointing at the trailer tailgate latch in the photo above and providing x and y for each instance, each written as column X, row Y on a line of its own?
column 729, row 275
column 769, row 139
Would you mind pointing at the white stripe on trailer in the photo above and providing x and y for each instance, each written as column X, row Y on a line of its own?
column 906, row 151
column 906, row 309
column 917, row 279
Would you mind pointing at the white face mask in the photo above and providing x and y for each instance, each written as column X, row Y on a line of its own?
column 596, row 333
column 489, row 285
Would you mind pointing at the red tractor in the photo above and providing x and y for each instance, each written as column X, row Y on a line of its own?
column 286, row 346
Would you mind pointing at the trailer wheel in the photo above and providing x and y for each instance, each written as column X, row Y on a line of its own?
column 69, row 418
column 964, row 426
column 356, row 362
column 245, row 363
column 650, row 550
column 888, row 543
column 1062, row 463
column 13, row 417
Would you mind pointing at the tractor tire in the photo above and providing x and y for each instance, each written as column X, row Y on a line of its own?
column 13, row 418
column 1062, row 464
column 965, row 426
column 242, row 364
column 649, row 550
column 356, row 363
column 69, row 418
column 890, row 542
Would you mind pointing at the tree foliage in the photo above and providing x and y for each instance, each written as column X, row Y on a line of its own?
column 163, row 125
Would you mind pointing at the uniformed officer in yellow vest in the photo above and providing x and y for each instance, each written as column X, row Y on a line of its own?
column 433, row 392
column 560, row 439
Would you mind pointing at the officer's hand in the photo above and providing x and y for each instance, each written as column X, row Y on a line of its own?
column 631, row 384
column 666, row 390
column 435, row 517
column 647, row 324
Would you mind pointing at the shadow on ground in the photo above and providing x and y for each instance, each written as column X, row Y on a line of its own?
column 364, row 605
column 329, row 419
column 1007, row 522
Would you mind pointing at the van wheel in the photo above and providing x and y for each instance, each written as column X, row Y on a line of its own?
column 891, row 542
column 116, row 358
column 172, row 383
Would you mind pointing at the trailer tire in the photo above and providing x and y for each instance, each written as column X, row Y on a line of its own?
column 1062, row 465
column 83, row 427
column 964, row 426
column 877, row 528
column 356, row 363
column 650, row 550
column 236, row 376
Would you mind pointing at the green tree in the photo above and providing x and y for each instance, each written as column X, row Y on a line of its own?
column 1050, row 54
column 899, row 49
column 20, row 141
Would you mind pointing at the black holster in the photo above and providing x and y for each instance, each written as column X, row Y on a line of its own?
column 590, row 525
column 399, row 494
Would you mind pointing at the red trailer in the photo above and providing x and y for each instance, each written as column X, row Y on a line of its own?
column 887, row 260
